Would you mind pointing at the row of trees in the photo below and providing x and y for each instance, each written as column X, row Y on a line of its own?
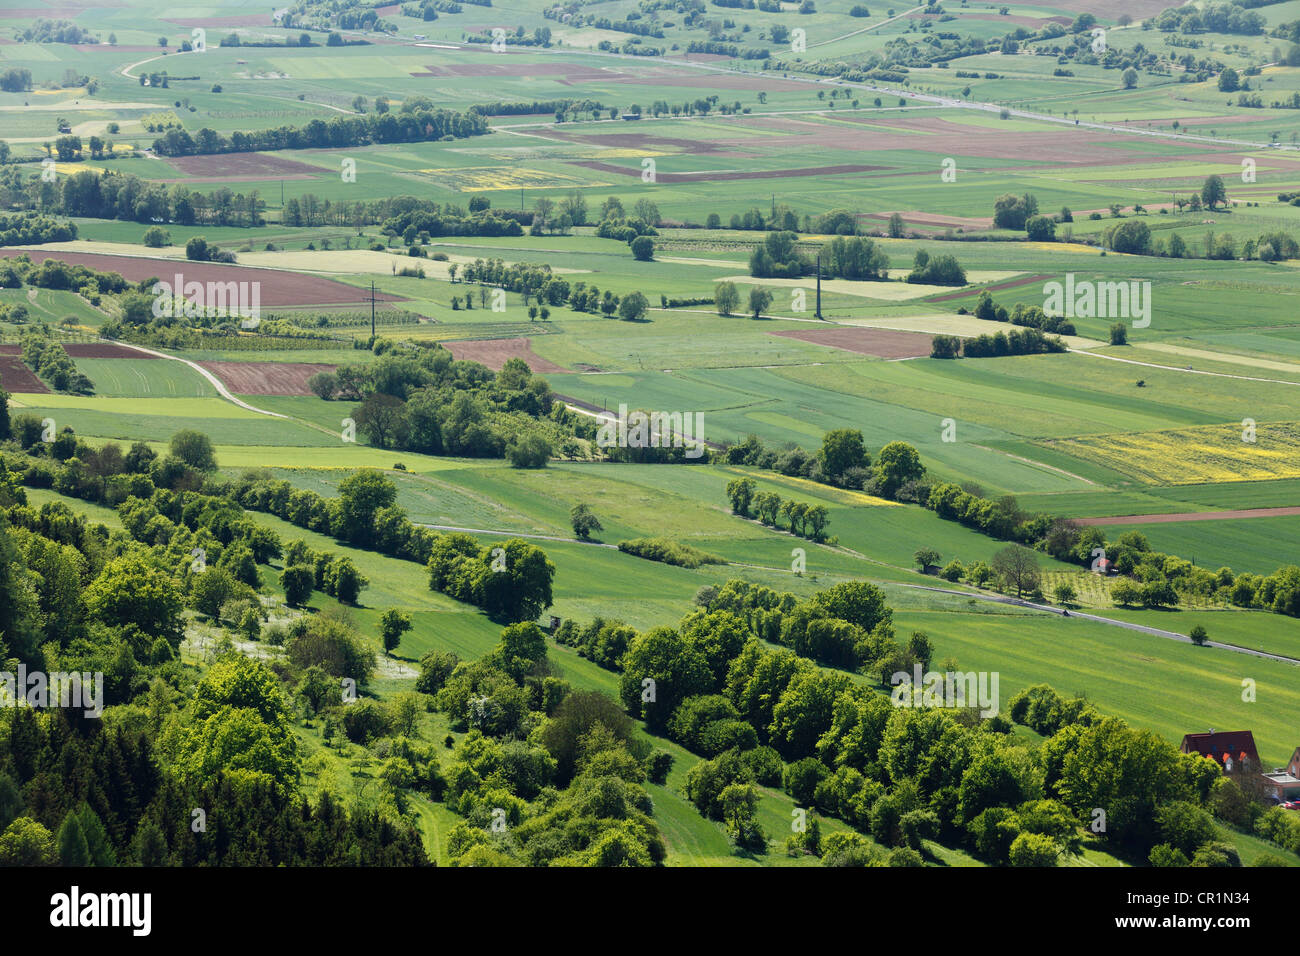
column 805, row 521
column 416, row 125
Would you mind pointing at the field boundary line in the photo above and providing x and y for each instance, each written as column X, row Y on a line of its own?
column 1167, row 517
column 216, row 382
column 1030, row 461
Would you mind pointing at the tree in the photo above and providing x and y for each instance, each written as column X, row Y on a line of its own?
column 1119, row 334
column 632, row 307
column 130, row 590
column 926, row 558
column 896, row 465
column 643, row 248
column 362, row 494
column 155, row 237
column 1199, row 636
column 197, row 249
column 1011, row 211
column 1124, row 593
column 759, row 299
column 73, row 848
column 392, row 625
column 1130, row 78
column 1034, row 849
column 896, row 226
column 195, row 449
column 816, row 518
column 522, row 590
column 149, row 846
column 1229, row 81
column 741, row 493
column 1065, row 593
column 521, row 650
column 26, row 843
column 857, row 602
column 346, row 581
column 1040, row 228
column 726, row 298
column 842, row 449
column 529, row 451
column 1017, row 566
column 1213, row 191
column 584, row 522
column 382, row 419
column 740, row 812
column 1132, row 236
column 298, row 582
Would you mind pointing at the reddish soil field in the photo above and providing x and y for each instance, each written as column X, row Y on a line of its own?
column 233, row 167
column 104, row 350
column 14, row 375
column 494, row 352
column 733, row 174
column 1193, row 516
column 1009, row 284
column 266, row 378
column 647, row 141
column 885, row 343
column 278, row 288
column 563, row 70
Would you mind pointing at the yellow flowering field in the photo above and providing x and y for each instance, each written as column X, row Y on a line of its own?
column 1203, row 453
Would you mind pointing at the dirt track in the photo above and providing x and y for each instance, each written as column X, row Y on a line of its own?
column 1192, row 516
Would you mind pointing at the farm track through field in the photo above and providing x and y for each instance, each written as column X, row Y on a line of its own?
column 216, row 383
column 1166, row 518
column 1185, row 369
column 1036, row 464
column 1127, row 625
column 972, row 595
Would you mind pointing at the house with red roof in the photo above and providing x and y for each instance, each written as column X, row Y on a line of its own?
column 1232, row 750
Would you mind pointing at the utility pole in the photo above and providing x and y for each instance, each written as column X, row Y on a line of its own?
column 819, row 283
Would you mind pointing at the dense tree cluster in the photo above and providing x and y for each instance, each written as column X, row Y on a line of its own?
column 22, row 229
column 422, row 400
column 903, row 775
column 842, row 461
